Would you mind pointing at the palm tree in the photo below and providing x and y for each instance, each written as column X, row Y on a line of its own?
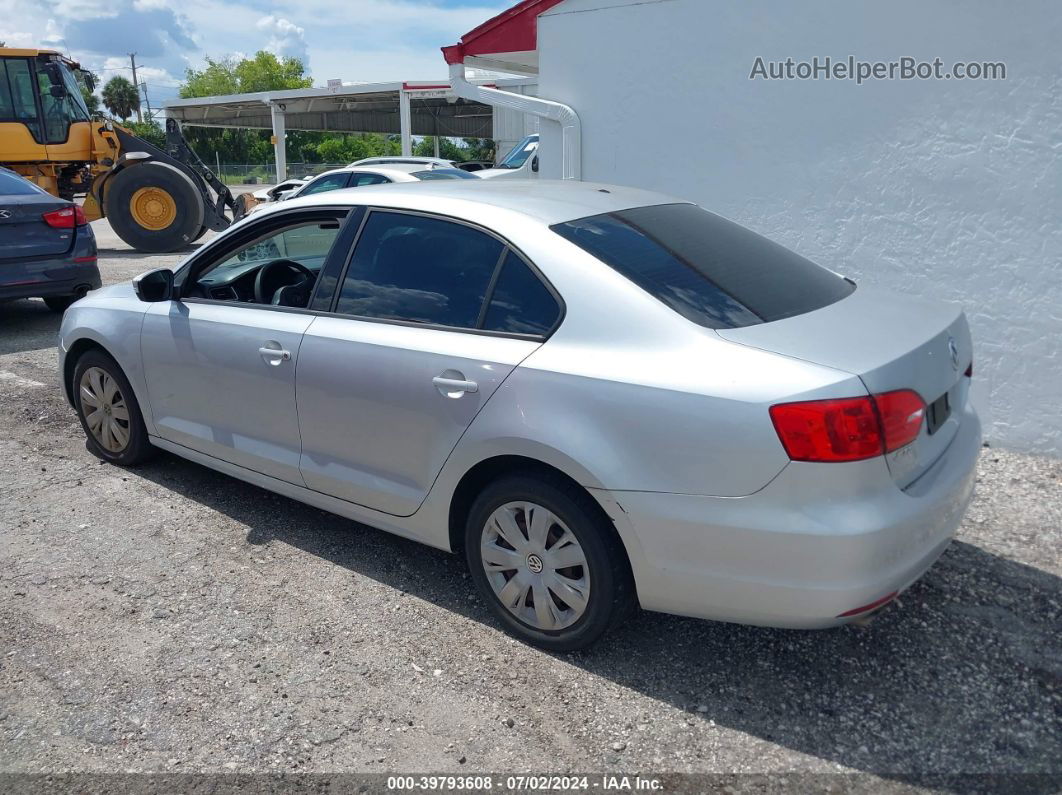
column 121, row 97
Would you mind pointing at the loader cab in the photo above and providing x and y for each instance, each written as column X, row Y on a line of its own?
column 42, row 114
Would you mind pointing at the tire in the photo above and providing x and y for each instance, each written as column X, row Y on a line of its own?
column 202, row 231
column 60, row 303
column 604, row 578
column 137, row 448
column 178, row 203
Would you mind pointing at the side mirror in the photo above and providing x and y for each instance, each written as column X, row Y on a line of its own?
column 534, row 164
column 154, row 286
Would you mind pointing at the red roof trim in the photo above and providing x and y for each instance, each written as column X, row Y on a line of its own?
column 515, row 30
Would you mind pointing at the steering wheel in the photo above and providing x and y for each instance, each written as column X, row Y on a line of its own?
column 276, row 274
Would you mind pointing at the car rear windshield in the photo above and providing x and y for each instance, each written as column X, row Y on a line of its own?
column 14, row 185
column 708, row 269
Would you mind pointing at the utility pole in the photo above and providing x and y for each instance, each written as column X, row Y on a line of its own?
column 147, row 102
column 136, row 84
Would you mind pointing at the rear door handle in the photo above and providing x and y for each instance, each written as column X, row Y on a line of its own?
column 275, row 353
column 454, row 384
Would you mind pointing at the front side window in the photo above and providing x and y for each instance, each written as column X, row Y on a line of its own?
column 289, row 257
column 16, row 94
column 708, row 269
column 415, row 268
column 444, row 173
column 62, row 111
column 322, row 184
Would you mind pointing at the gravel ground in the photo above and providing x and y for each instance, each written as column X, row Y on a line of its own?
column 172, row 619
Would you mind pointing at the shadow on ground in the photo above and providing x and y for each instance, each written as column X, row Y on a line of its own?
column 26, row 325
column 962, row 676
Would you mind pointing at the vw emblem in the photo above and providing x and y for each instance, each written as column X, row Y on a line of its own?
column 534, row 563
column 953, row 351
column 5, row 213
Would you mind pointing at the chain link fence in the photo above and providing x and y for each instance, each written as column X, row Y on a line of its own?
column 266, row 174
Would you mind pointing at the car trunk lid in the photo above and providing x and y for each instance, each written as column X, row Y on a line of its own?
column 891, row 342
column 24, row 232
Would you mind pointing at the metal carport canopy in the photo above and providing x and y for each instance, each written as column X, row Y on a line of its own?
column 406, row 108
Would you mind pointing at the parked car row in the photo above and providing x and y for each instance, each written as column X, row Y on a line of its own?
column 370, row 171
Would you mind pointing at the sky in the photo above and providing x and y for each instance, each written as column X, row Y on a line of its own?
column 353, row 40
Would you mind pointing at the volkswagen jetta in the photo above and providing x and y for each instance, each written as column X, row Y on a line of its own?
column 601, row 397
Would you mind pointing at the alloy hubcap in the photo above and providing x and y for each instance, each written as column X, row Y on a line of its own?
column 535, row 566
column 104, row 409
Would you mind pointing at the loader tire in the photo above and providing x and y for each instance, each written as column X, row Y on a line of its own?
column 154, row 207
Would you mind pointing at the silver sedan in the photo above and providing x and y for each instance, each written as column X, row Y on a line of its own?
column 601, row 397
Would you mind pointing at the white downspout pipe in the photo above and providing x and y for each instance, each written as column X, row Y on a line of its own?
column 571, row 129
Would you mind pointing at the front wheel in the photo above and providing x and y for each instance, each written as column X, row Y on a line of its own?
column 547, row 562
column 108, row 411
column 154, row 207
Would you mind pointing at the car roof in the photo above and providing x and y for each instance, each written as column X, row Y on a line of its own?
column 400, row 170
column 549, row 201
column 401, row 160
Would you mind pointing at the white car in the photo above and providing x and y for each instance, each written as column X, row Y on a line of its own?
column 275, row 192
column 361, row 176
column 391, row 160
column 520, row 163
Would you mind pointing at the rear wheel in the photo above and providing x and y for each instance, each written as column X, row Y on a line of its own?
column 108, row 411
column 154, row 207
column 547, row 562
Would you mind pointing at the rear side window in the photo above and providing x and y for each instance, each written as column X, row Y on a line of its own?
column 361, row 180
column 520, row 303
column 708, row 269
column 415, row 268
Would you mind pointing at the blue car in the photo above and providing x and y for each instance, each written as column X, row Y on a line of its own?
column 47, row 249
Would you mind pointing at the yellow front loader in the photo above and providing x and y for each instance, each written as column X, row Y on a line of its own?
column 155, row 200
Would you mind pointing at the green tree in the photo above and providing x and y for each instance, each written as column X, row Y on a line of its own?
column 264, row 72
column 87, row 81
column 121, row 97
column 150, row 131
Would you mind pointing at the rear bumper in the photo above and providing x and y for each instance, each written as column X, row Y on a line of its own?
column 814, row 543
column 48, row 278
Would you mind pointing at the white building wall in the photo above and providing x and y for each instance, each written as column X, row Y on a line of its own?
column 944, row 188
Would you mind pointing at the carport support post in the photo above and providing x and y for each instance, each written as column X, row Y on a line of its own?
column 280, row 152
column 405, row 124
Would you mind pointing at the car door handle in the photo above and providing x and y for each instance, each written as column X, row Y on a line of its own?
column 454, row 384
column 275, row 353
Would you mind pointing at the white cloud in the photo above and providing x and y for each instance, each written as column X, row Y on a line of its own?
column 354, row 40
column 285, row 38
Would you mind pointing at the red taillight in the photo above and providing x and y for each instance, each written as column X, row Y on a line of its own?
column 901, row 413
column 969, row 371
column 66, row 217
column 848, row 429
